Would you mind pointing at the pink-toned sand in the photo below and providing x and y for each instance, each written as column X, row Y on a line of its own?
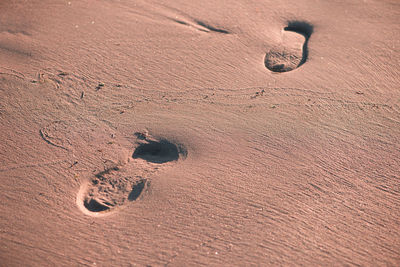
column 169, row 133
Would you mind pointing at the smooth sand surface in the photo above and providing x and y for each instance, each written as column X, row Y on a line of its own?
column 179, row 133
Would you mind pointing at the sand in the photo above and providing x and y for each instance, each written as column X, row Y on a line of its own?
column 179, row 133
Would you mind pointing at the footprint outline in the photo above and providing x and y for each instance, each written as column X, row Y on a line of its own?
column 106, row 192
column 280, row 60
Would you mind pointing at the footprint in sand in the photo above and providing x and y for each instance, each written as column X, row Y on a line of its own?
column 113, row 188
column 292, row 52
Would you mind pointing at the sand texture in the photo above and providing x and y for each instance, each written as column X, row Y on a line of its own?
column 212, row 133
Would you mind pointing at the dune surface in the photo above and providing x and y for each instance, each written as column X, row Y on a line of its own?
column 180, row 133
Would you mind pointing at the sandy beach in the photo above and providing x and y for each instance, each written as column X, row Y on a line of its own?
column 180, row 133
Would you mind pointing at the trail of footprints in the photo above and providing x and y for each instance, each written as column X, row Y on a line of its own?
column 115, row 187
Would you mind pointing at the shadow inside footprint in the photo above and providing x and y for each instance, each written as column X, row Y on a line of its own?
column 157, row 151
column 304, row 29
column 94, row 206
column 137, row 190
column 300, row 27
column 287, row 56
column 110, row 189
